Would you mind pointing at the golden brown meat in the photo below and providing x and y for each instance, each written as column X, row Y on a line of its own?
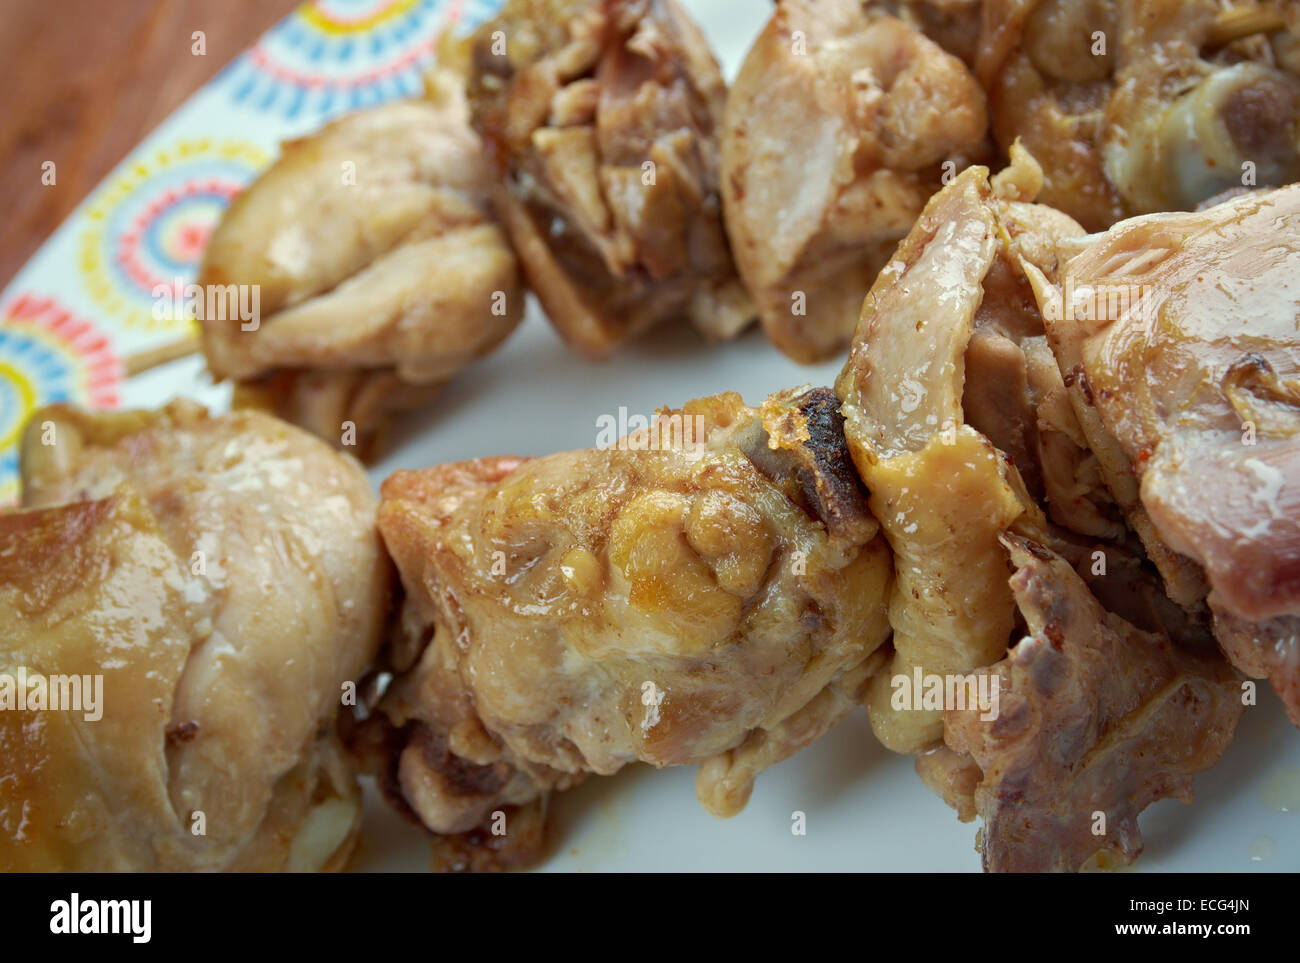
column 950, row 371
column 952, row 24
column 942, row 340
column 836, row 132
column 378, row 267
column 712, row 597
column 1151, row 105
column 603, row 118
column 223, row 579
column 1177, row 336
column 1096, row 720
column 1201, row 103
column 1014, row 393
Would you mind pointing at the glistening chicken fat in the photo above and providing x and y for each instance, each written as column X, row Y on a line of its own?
column 223, row 576
column 717, row 601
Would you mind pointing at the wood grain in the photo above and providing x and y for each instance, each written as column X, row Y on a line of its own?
column 83, row 81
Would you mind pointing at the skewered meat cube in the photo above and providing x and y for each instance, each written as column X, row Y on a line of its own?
column 1144, row 106
column 836, row 132
column 1177, row 336
column 712, row 597
column 1087, row 703
column 1093, row 717
column 224, row 579
column 943, row 492
column 379, row 269
column 603, row 117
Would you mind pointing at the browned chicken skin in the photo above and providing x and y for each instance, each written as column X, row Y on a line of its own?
column 836, row 130
column 380, row 269
column 1096, row 721
column 603, row 117
column 223, row 577
column 1177, row 335
column 716, row 600
column 1150, row 105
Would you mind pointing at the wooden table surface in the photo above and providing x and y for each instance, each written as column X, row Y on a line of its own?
column 84, row 81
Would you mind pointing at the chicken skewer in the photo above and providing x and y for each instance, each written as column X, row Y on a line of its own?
column 673, row 534
column 603, row 118
column 378, row 269
column 845, row 116
column 1146, row 106
column 698, row 541
column 711, row 597
column 944, row 492
column 1202, row 455
column 1114, row 697
column 836, row 131
column 412, row 279
column 221, row 577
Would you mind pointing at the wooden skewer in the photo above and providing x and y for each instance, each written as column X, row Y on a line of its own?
column 142, row 361
column 1244, row 21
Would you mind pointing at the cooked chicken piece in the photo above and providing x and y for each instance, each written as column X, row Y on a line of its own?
column 1181, row 126
column 711, row 592
column 352, row 409
column 1095, row 721
column 836, row 133
column 223, row 577
column 1014, row 393
column 1177, row 336
column 1145, row 106
column 602, row 116
column 379, row 269
column 947, row 337
column 1047, row 87
column 953, row 24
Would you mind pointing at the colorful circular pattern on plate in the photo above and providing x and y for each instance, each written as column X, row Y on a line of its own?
column 47, row 355
column 147, row 226
column 337, row 55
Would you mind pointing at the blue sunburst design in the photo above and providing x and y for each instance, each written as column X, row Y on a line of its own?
column 47, row 355
column 334, row 56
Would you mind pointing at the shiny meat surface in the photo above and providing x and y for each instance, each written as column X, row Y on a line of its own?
column 1014, row 393
column 1179, row 342
column 1096, row 720
column 836, row 132
column 1152, row 105
column 943, row 492
column 603, row 117
column 714, row 598
column 379, row 268
column 224, row 578
column 1200, row 95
